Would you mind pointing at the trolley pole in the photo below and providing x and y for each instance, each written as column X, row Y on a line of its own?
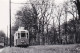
column 10, row 19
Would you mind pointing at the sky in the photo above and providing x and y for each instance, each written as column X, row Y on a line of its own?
column 4, row 12
column 4, row 15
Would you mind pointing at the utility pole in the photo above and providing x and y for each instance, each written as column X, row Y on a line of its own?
column 10, row 19
column 7, row 35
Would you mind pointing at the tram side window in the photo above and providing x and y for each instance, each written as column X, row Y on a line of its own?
column 27, row 35
column 18, row 35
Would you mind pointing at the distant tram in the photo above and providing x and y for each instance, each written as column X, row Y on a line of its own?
column 1, row 41
column 21, row 37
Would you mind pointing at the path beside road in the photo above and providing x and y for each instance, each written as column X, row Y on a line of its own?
column 1, row 49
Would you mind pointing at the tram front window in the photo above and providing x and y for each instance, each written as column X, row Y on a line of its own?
column 23, row 35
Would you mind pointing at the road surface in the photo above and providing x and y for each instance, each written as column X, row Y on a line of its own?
column 43, row 49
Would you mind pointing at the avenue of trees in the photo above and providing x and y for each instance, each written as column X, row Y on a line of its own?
column 49, row 23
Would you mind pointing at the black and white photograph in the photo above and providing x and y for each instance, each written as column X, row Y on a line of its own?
column 39, row 26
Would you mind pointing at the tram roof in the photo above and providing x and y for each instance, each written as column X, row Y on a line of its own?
column 26, row 31
column 21, row 29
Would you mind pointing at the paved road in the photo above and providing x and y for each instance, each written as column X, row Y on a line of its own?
column 43, row 49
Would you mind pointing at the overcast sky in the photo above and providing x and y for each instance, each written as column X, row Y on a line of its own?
column 4, row 12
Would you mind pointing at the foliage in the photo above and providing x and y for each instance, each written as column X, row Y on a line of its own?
column 72, row 31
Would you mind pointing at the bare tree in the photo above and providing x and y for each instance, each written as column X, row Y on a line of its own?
column 42, row 7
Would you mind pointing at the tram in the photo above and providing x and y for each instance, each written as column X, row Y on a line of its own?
column 21, row 37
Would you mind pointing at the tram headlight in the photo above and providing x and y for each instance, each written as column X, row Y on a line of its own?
column 22, row 40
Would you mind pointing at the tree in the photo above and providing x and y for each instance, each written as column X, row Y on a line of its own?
column 3, row 37
column 2, row 34
column 69, row 10
column 43, row 16
column 77, row 3
column 27, row 18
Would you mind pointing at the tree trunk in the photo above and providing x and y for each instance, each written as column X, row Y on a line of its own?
column 77, row 2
